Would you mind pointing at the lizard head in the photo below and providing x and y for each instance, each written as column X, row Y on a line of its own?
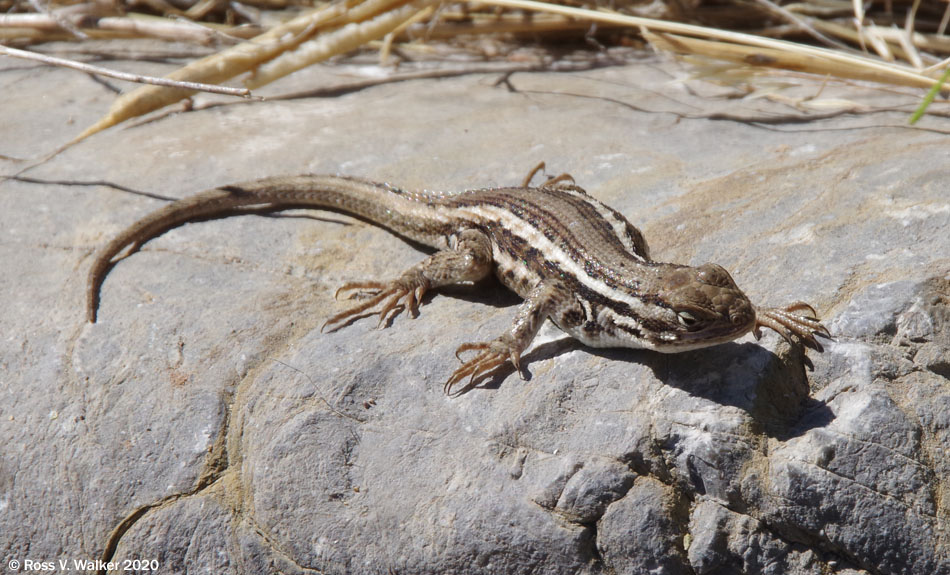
column 697, row 307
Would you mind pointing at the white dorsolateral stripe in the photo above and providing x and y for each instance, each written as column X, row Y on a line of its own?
column 551, row 252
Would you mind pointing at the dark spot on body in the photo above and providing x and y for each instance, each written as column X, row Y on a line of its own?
column 592, row 328
column 572, row 317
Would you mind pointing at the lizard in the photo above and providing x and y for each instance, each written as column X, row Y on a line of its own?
column 570, row 257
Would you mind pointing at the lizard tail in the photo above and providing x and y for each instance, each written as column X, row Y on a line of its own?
column 376, row 202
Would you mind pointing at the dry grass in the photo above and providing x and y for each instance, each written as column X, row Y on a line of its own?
column 896, row 42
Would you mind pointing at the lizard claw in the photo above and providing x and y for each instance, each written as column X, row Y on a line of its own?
column 797, row 319
column 550, row 182
column 384, row 295
column 492, row 355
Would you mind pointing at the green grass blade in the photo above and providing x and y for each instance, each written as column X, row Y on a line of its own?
column 929, row 97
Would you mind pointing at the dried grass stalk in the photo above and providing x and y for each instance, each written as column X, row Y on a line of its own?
column 96, row 21
column 247, row 56
column 346, row 39
column 817, row 60
column 786, row 60
column 349, row 24
column 218, row 67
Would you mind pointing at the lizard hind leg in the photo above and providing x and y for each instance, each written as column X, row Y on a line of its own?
column 548, row 298
column 384, row 295
column 492, row 355
column 470, row 260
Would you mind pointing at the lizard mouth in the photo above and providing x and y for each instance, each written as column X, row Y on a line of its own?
column 717, row 334
column 721, row 331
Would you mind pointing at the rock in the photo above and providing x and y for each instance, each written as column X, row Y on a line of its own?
column 207, row 423
column 642, row 532
column 867, row 485
column 590, row 491
column 729, row 542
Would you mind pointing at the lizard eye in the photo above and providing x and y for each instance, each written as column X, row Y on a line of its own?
column 688, row 320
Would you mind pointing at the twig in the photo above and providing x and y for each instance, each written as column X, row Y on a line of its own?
column 317, row 391
column 906, row 39
column 357, row 85
column 62, row 22
column 802, row 24
column 775, row 123
column 97, row 183
column 943, row 64
column 943, row 21
column 886, row 40
column 138, row 78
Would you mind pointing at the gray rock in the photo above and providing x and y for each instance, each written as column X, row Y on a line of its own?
column 866, row 485
column 729, row 542
column 875, row 310
column 589, row 492
column 642, row 533
column 206, row 422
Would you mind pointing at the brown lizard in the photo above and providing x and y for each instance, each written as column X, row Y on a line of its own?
column 572, row 258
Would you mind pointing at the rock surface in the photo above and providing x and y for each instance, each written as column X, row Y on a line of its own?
column 206, row 423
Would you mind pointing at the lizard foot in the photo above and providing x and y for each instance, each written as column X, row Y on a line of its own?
column 491, row 355
column 551, row 182
column 790, row 321
column 381, row 298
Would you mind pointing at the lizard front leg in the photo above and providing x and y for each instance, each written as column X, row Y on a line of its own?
column 797, row 319
column 469, row 261
column 548, row 298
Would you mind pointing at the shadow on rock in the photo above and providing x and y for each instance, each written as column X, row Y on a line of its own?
column 773, row 389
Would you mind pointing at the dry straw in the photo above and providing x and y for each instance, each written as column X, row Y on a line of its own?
column 847, row 32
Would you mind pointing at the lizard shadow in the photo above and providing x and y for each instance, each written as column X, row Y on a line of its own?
column 488, row 292
column 772, row 389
